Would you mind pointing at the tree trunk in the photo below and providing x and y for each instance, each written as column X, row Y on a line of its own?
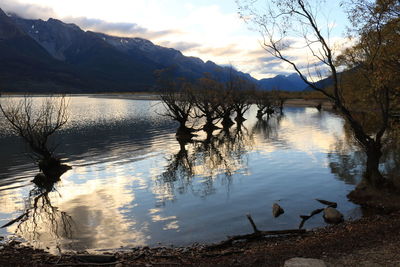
column 239, row 117
column 227, row 122
column 260, row 114
column 183, row 132
column 372, row 174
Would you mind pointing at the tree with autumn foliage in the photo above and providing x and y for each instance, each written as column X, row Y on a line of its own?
column 373, row 59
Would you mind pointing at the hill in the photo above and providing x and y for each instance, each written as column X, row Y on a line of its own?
column 53, row 56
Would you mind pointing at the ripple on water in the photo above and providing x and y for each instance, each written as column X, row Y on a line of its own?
column 133, row 184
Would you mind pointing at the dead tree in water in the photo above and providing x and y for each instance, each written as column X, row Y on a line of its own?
column 179, row 106
column 226, row 104
column 225, row 109
column 266, row 104
column 176, row 96
column 35, row 124
column 241, row 96
column 206, row 98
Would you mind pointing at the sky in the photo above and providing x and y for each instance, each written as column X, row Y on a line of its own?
column 208, row 29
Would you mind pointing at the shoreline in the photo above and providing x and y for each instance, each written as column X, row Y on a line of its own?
column 366, row 241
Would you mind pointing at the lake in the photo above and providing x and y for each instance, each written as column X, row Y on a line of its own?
column 133, row 184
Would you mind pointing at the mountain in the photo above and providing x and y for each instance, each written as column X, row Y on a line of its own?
column 49, row 56
column 291, row 82
column 99, row 63
column 25, row 64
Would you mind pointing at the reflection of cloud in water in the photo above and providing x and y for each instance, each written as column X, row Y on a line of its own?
column 11, row 201
column 171, row 222
column 302, row 133
column 101, row 226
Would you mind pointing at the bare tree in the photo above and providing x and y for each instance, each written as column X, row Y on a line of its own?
column 207, row 102
column 226, row 107
column 177, row 98
column 241, row 97
column 266, row 103
column 35, row 123
column 179, row 106
column 284, row 19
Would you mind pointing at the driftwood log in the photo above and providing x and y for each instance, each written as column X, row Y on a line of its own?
column 257, row 234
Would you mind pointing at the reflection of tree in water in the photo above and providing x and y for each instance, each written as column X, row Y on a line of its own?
column 268, row 129
column 41, row 219
column 348, row 162
column 220, row 155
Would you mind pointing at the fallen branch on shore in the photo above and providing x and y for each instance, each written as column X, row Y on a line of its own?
column 257, row 234
column 304, row 218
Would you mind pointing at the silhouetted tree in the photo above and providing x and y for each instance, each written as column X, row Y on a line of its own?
column 266, row 103
column 241, row 97
column 207, row 101
column 371, row 20
column 35, row 123
column 177, row 98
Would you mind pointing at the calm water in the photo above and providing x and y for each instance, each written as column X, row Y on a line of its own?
column 133, row 184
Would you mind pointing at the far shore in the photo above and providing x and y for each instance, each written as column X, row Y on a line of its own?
column 153, row 96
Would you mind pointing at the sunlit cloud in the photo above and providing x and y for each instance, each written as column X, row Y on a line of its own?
column 181, row 46
column 121, row 29
column 27, row 10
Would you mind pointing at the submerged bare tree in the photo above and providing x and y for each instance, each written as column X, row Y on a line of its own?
column 207, row 101
column 284, row 19
column 241, row 97
column 266, row 103
column 177, row 98
column 35, row 123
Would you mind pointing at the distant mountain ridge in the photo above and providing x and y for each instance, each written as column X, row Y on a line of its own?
column 291, row 82
column 53, row 56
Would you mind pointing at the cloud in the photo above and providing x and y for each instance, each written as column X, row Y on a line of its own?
column 122, row 29
column 220, row 51
column 181, row 46
column 25, row 10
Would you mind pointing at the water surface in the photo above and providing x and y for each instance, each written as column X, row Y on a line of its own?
column 133, row 184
